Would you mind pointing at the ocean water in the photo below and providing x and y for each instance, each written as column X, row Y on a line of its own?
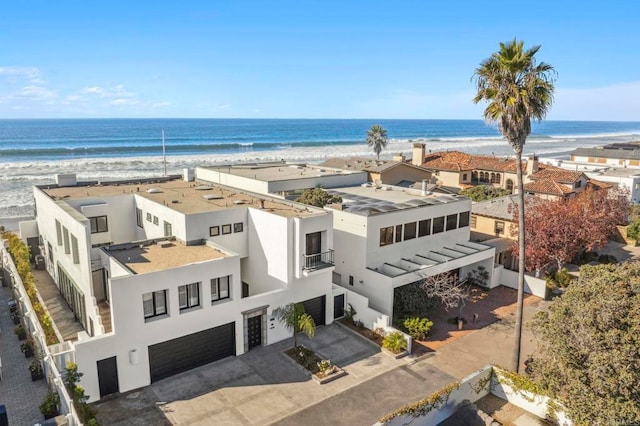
column 32, row 152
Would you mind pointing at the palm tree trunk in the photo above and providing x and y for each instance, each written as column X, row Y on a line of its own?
column 515, row 362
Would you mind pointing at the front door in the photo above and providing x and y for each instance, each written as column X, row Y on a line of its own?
column 338, row 306
column 314, row 243
column 108, row 376
column 254, row 326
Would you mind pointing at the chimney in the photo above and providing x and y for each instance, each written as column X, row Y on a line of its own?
column 424, row 187
column 399, row 157
column 532, row 165
column 418, row 154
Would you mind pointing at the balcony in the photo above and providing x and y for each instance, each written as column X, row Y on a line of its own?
column 314, row 262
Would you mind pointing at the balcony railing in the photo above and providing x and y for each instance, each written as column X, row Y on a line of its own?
column 317, row 261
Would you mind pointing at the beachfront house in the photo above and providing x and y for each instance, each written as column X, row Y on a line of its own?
column 167, row 274
column 387, row 172
column 621, row 154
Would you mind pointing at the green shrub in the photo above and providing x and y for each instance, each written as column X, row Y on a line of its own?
column 395, row 342
column 49, row 406
column 561, row 278
column 418, row 327
column 633, row 230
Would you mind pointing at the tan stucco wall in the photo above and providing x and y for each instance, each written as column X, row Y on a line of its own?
column 486, row 225
column 400, row 173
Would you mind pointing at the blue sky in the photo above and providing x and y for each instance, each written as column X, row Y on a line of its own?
column 311, row 59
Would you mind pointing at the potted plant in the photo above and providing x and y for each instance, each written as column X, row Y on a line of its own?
column 27, row 348
column 395, row 344
column 37, row 373
column 20, row 332
column 15, row 317
column 49, row 406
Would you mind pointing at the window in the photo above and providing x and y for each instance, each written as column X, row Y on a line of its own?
column 139, row 217
column 74, row 249
column 149, row 217
column 499, row 227
column 155, row 220
column 351, row 280
column 220, row 288
column 50, row 250
column 398, row 233
column 409, row 231
column 65, row 235
column 424, row 228
column 578, row 184
column 154, row 303
column 98, row 224
column 464, row 220
column 386, row 236
column 452, row 222
column 59, row 232
column 189, row 296
column 168, row 229
column 438, row 224
column 237, row 227
column 474, row 221
column 464, row 177
column 226, row 229
column 214, row 231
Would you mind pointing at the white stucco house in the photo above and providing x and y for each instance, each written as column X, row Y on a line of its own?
column 169, row 273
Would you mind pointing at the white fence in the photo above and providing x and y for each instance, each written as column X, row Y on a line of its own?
column 508, row 278
column 34, row 329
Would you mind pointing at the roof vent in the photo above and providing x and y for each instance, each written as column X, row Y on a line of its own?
column 203, row 188
column 237, row 202
column 154, row 191
column 212, row 197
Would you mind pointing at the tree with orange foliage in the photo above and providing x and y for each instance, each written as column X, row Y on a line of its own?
column 557, row 231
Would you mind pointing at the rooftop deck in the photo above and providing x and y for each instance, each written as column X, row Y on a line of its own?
column 164, row 255
column 184, row 197
column 271, row 172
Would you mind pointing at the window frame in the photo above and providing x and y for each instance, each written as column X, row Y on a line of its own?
column 214, row 231
column 407, row 227
column 216, row 282
column 94, row 224
column 428, row 226
column 154, row 304
column 139, row 220
column 189, row 296
column 495, row 227
column 473, row 223
column 398, row 234
column 464, row 223
column 156, row 221
column 149, row 217
column 440, row 225
column 386, row 235
column 226, row 229
column 451, row 223
column 238, row 227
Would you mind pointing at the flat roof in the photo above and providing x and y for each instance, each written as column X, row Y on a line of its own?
column 184, row 197
column 614, row 172
column 271, row 172
column 367, row 199
column 164, row 255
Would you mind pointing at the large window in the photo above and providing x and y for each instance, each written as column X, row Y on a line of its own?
column 189, row 296
column 452, row 222
column 139, row 217
column 464, row 220
column 98, row 224
column 220, row 288
column 438, row 224
column 409, row 231
column 398, row 233
column 386, row 236
column 424, row 228
column 154, row 304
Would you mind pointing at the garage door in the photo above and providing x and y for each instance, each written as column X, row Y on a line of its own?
column 315, row 308
column 187, row 352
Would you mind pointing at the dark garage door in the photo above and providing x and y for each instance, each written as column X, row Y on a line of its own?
column 315, row 308
column 187, row 352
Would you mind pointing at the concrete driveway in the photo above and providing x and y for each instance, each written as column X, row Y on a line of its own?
column 259, row 387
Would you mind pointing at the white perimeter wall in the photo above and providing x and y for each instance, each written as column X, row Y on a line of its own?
column 532, row 285
column 227, row 179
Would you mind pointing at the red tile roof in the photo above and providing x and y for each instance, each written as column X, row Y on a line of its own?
column 547, row 186
column 460, row 161
column 546, row 171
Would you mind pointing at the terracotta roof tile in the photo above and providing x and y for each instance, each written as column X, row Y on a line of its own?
column 460, row 161
column 556, row 174
column 547, row 186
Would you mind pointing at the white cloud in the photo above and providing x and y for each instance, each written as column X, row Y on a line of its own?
column 30, row 74
column 92, row 90
column 125, row 101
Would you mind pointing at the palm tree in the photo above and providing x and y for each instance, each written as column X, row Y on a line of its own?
column 295, row 318
column 517, row 89
column 377, row 138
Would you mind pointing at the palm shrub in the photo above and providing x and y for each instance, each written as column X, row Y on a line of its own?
column 296, row 319
column 418, row 327
column 394, row 342
column 377, row 138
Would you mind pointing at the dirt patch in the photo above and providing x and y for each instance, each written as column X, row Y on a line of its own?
column 484, row 308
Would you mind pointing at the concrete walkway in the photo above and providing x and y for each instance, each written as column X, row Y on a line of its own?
column 18, row 393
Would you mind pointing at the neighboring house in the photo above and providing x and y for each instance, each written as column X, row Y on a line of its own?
column 462, row 170
column 167, row 274
column 392, row 236
column 551, row 182
column 388, row 172
column 623, row 154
